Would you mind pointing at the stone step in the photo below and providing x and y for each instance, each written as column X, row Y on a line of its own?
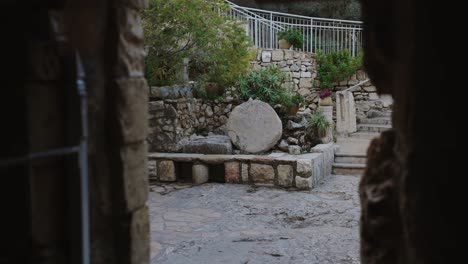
column 348, row 169
column 364, row 135
column 350, row 158
column 373, row 128
column 376, row 121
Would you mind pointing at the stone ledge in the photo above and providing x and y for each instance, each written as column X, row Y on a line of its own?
column 303, row 171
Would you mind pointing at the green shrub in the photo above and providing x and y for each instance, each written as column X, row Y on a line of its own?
column 217, row 47
column 266, row 85
column 317, row 125
column 336, row 66
column 293, row 36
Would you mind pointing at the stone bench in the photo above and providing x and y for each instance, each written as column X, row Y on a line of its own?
column 277, row 169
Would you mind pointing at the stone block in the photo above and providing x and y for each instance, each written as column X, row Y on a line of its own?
column 305, row 83
column 285, row 175
column 266, row 56
column 328, row 152
column 277, row 55
column 152, row 170
column 200, row 173
column 245, row 172
column 296, row 74
column 295, row 68
column 166, row 171
column 304, row 167
column 132, row 109
column 208, row 145
column 139, row 236
column 294, row 150
column 130, row 52
column 373, row 96
column 288, row 54
column 304, row 183
column 261, row 173
column 306, row 75
column 304, row 92
column 135, row 175
column 232, row 172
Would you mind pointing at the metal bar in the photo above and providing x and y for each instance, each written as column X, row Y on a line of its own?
column 39, row 155
column 354, row 86
column 83, row 162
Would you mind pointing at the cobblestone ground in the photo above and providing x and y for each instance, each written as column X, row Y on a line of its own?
column 226, row 223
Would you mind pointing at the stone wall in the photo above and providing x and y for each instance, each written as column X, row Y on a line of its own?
column 172, row 121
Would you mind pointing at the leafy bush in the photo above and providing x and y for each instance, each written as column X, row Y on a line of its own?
column 266, row 85
column 293, row 36
column 336, row 66
column 217, row 47
column 317, row 125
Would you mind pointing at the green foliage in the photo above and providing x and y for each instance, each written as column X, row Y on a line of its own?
column 217, row 47
column 317, row 125
column 267, row 85
column 293, row 36
column 336, row 66
column 297, row 99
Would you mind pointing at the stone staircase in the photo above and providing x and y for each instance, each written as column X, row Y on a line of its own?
column 351, row 157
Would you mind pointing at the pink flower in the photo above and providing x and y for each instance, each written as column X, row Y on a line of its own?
column 324, row 93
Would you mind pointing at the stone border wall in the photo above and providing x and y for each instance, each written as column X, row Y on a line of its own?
column 277, row 169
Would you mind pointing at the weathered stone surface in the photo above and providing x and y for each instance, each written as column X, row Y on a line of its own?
column 305, row 83
column 295, row 68
column 304, row 92
column 171, row 92
column 285, row 175
column 283, row 145
column 304, row 183
column 139, row 235
column 245, row 172
column 373, row 96
column 132, row 109
column 328, row 156
column 277, row 55
column 345, row 113
column 294, row 150
column 232, row 172
column 209, row 145
column 294, row 126
column 292, row 140
column 370, row 89
column 152, row 170
column 134, row 173
column 166, row 170
column 200, row 173
column 306, row 75
column 266, row 56
column 288, row 54
column 131, row 55
column 254, row 127
column 304, row 167
column 261, row 173
column 374, row 113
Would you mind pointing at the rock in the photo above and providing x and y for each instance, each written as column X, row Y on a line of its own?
column 295, row 68
column 370, row 89
column 245, row 173
column 200, row 173
column 277, row 55
column 285, row 175
column 293, row 125
column 306, row 75
column 209, row 111
column 296, row 74
column 254, row 127
column 232, row 172
column 262, row 173
column 266, row 56
column 304, row 92
column 373, row 96
column 304, row 183
column 294, row 150
column 223, row 120
column 166, row 171
column 288, row 54
column 209, row 145
column 152, row 170
column 282, row 64
column 304, row 167
column 374, row 113
column 292, row 141
column 283, row 145
column 305, row 83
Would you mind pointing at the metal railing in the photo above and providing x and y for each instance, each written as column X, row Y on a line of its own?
column 323, row 34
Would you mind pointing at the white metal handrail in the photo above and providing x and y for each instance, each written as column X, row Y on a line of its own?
column 319, row 33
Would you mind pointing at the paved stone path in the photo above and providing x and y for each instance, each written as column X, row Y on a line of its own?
column 226, row 223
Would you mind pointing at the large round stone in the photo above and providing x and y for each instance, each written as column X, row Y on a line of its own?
column 254, row 127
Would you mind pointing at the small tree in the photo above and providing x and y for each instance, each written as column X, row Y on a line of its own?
column 336, row 67
column 216, row 46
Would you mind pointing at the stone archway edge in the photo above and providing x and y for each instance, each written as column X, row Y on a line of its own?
column 303, row 171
